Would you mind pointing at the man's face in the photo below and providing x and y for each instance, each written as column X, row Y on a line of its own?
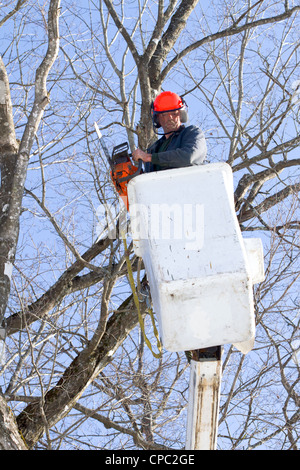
column 170, row 121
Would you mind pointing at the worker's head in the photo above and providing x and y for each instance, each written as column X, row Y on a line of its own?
column 169, row 111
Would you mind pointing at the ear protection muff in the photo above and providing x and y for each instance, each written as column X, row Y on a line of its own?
column 184, row 112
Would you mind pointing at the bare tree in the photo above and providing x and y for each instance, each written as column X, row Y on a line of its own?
column 15, row 156
column 77, row 372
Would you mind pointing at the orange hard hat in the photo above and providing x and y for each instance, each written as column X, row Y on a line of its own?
column 167, row 101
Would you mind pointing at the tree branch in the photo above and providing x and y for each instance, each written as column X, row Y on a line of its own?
column 165, row 44
column 109, row 424
column 123, row 31
column 231, row 31
column 260, row 178
column 18, row 6
column 65, row 285
column 81, row 372
column 269, row 202
column 17, row 166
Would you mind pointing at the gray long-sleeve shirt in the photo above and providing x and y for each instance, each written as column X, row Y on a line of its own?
column 186, row 147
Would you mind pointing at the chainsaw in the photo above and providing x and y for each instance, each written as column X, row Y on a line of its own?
column 122, row 168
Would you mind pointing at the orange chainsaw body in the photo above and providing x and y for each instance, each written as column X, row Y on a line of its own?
column 123, row 170
column 120, row 176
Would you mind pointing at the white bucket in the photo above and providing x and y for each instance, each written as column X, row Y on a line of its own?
column 200, row 269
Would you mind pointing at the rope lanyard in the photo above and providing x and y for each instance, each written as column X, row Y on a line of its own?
column 137, row 304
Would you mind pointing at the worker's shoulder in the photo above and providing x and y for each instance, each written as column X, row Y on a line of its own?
column 192, row 130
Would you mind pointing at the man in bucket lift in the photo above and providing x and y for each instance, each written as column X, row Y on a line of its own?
column 179, row 146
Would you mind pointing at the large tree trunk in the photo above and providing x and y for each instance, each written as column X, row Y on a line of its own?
column 8, row 220
column 10, row 438
column 13, row 168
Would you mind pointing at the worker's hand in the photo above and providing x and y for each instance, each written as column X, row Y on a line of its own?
column 138, row 154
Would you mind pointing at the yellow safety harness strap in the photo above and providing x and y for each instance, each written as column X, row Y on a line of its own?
column 137, row 304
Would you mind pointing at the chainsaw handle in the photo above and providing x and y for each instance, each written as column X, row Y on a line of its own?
column 137, row 172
